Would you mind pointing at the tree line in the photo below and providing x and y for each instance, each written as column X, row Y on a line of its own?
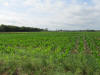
column 11, row 28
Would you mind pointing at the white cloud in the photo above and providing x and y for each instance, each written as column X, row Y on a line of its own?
column 6, row 4
column 52, row 14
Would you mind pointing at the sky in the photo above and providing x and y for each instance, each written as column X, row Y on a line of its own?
column 51, row 14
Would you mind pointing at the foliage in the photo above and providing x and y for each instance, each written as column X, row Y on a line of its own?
column 50, row 53
column 10, row 28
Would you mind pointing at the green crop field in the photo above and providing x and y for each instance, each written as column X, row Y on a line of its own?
column 50, row 53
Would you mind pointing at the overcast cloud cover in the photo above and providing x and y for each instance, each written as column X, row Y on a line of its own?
column 51, row 14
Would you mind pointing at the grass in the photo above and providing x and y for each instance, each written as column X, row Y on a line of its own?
column 50, row 53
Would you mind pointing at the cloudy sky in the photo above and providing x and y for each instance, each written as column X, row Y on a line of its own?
column 51, row 14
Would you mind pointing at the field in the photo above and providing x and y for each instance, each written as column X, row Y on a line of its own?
column 50, row 53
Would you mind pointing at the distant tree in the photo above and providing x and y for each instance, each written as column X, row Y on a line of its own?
column 46, row 29
column 10, row 28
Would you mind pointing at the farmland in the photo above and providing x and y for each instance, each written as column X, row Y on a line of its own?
column 50, row 53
